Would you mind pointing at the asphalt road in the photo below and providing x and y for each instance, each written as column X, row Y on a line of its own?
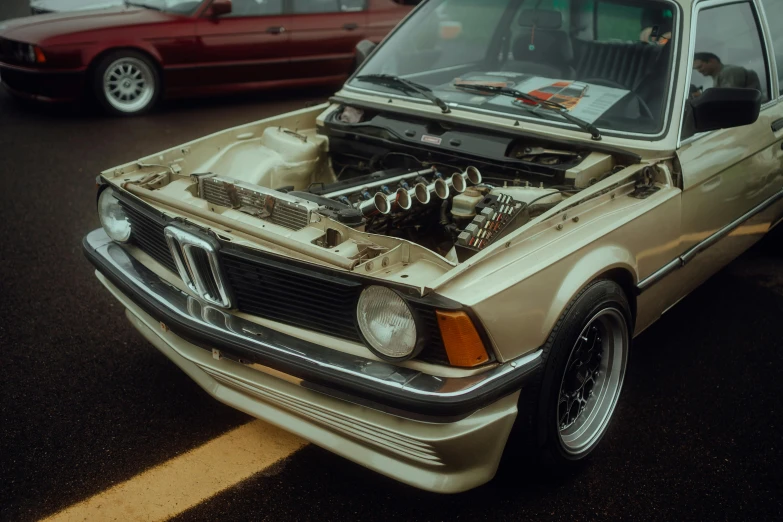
column 86, row 403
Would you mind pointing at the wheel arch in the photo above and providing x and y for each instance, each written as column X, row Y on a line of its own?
column 149, row 53
column 612, row 263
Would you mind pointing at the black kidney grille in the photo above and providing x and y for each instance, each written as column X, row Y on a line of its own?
column 277, row 291
column 147, row 234
column 203, row 267
column 273, row 290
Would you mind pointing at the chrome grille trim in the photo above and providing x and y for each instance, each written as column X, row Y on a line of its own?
column 205, row 279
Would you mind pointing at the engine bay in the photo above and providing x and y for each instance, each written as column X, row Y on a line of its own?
column 358, row 176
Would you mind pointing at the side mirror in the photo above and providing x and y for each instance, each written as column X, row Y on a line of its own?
column 219, row 8
column 724, row 108
column 363, row 51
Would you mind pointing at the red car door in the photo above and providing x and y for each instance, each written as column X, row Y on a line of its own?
column 324, row 34
column 384, row 15
column 248, row 46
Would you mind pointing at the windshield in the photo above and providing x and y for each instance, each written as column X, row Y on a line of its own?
column 184, row 7
column 607, row 62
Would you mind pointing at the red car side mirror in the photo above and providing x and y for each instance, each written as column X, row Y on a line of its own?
column 219, row 8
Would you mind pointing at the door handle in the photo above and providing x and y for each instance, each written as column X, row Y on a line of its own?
column 777, row 125
column 275, row 30
column 351, row 27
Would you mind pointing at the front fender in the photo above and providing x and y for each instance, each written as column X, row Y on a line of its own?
column 92, row 53
column 612, row 261
column 520, row 318
column 520, row 293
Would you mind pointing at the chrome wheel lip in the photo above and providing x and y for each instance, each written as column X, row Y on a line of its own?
column 579, row 438
column 129, row 84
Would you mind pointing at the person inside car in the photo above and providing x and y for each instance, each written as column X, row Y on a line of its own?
column 725, row 75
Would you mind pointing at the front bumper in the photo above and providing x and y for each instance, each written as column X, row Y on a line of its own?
column 435, row 433
column 42, row 85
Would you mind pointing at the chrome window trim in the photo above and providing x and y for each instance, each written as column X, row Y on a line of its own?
column 665, row 129
column 691, row 253
column 771, row 83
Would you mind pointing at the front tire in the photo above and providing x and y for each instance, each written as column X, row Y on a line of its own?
column 567, row 414
column 126, row 83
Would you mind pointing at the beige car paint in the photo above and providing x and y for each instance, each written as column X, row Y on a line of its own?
column 625, row 244
column 432, row 456
column 518, row 288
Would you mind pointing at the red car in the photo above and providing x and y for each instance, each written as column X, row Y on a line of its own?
column 128, row 57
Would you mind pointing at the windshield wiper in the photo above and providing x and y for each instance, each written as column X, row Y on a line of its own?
column 390, row 80
column 562, row 110
column 143, row 6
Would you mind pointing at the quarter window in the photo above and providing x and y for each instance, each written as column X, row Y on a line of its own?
column 774, row 12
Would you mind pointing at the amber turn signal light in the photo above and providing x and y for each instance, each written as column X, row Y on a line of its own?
column 40, row 57
column 462, row 341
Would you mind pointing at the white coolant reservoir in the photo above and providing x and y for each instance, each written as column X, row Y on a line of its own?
column 464, row 205
column 292, row 146
column 297, row 156
column 278, row 158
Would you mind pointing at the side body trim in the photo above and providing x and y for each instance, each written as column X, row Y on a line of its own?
column 697, row 249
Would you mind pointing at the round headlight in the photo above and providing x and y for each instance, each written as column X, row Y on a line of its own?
column 113, row 218
column 387, row 323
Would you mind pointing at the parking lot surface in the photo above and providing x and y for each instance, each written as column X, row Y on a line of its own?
column 92, row 417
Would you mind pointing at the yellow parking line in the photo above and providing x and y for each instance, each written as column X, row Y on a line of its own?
column 185, row 481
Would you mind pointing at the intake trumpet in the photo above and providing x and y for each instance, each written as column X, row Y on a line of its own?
column 471, row 175
column 424, row 191
column 384, row 204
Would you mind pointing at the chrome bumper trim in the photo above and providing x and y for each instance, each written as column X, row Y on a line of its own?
column 377, row 384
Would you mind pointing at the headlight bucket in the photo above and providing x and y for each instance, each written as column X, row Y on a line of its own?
column 113, row 218
column 388, row 325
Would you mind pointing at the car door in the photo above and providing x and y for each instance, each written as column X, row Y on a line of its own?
column 324, row 34
column 247, row 46
column 731, row 177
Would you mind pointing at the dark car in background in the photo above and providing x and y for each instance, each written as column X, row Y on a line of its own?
column 128, row 56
